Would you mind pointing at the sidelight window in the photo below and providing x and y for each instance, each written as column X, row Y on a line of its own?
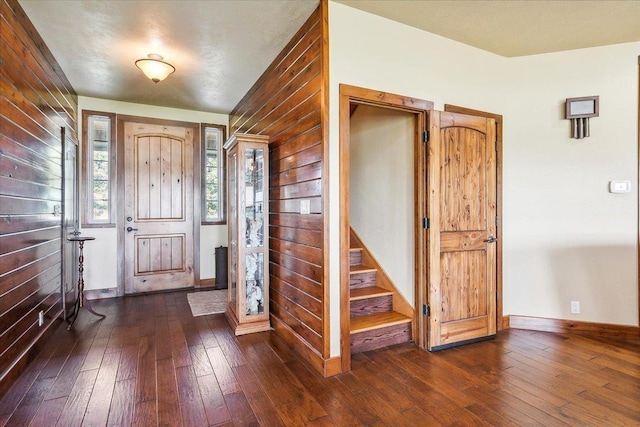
column 213, row 170
column 98, row 169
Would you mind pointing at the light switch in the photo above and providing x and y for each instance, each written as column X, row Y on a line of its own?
column 305, row 207
column 619, row 186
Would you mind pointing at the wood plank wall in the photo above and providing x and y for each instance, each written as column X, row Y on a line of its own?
column 36, row 101
column 289, row 104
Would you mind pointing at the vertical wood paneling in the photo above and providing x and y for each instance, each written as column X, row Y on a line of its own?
column 155, row 248
column 463, row 284
column 36, row 99
column 463, row 156
column 142, row 178
column 175, row 181
column 144, row 256
column 287, row 104
column 166, row 253
column 159, row 177
column 177, row 249
column 166, row 160
column 154, row 177
column 160, row 254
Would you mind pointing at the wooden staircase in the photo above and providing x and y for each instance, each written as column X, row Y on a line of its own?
column 380, row 316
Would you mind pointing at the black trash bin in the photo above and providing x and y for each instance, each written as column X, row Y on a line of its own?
column 221, row 267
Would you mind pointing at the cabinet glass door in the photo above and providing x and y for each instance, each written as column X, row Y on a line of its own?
column 255, row 284
column 233, row 222
column 254, row 207
column 254, row 217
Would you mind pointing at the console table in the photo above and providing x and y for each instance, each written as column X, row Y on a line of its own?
column 81, row 301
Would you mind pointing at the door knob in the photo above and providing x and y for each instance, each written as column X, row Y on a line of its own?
column 491, row 239
column 130, row 229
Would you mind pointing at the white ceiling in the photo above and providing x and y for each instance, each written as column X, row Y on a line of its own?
column 221, row 47
column 517, row 28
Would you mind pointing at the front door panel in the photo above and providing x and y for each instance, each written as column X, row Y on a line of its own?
column 158, row 207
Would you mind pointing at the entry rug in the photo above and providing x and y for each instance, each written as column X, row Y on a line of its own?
column 207, row 302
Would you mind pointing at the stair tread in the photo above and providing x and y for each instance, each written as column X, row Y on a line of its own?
column 354, row 269
column 376, row 321
column 368, row 292
column 355, row 249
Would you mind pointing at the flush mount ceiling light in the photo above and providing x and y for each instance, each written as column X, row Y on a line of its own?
column 155, row 68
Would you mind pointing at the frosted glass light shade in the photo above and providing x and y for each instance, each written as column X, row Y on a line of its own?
column 155, row 68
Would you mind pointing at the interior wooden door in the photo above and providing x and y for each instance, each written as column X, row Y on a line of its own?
column 158, row 207
column 462, row 229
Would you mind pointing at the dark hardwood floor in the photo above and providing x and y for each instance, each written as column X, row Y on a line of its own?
column 151, row 363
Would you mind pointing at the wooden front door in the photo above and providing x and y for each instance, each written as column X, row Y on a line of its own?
column 158, row 207
column 462, row 231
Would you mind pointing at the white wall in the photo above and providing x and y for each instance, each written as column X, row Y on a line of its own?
column 372, row 52
column 101, row 255
column 381, row 190
column 565, row 238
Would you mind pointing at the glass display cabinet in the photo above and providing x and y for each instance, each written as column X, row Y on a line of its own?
column 247, row 210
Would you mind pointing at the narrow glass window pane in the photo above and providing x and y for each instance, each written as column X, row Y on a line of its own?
column 254, row 210
column 99, row 146
column 213, row 182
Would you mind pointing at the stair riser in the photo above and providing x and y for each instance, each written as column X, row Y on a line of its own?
column 371, row 305
column 378, row 338
column 355, row 257
column 363, row 280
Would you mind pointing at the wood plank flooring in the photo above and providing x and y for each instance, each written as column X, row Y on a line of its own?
column 151, row 363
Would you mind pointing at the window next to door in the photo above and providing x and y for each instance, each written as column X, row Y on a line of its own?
column 213, row 172
column 98, row 168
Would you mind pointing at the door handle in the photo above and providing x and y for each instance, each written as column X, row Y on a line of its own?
column 130, row 229
column 491, row 239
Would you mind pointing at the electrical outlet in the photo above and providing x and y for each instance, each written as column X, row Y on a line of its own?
column 41, row 318
column 575, row 307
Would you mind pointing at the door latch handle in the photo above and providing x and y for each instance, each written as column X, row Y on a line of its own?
column 491, row 239
column 130, row 229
